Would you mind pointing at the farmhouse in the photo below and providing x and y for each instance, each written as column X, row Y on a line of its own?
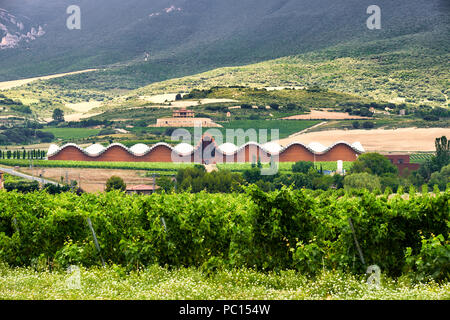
column 185, row 118
column 402, row 162
column 207, row 151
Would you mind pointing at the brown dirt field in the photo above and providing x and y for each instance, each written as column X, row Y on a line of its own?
column 380, row 140
column 92, row 180
column 328, row 115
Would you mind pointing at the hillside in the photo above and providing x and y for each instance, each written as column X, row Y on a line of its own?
column 184, row 37
column 405, row 62
column 410, row 69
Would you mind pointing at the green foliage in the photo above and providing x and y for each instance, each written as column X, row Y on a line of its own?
column 165, row 183
column 162, row 168
column 432, row 261
column 437, row 162
column 54, row 189
column 21, row 156
column 362, row 180
column 197, row 179
column 58, row 115
column 115, row 183
column 441, row 179
column 368, row 125
column 373, row 163
column 302, row 166
column 21, row 108
column 285, row 229
column 284, row 127
column 22, row 135
column 70, row 134
column 420, row 157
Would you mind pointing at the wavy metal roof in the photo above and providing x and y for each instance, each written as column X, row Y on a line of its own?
column 185, row 149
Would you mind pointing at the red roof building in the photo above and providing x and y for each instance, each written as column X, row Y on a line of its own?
column 142, row 189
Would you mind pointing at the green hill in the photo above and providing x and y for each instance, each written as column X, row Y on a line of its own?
column 202, row 44
column 407, row 69
column 184, row 37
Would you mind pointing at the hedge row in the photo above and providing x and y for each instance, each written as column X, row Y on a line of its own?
column 150, row 166
column 283, row 229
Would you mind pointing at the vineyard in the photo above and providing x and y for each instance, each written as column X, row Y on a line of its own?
column 420, row 157
column 283, row 167
column 163, row 168
column 306, row 231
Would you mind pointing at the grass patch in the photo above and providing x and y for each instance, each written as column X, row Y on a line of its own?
column 157, row 167
column 285, row 127
column 156, row 283
column 72, row 133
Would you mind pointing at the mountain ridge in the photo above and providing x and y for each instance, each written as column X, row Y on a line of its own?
column 199, row 35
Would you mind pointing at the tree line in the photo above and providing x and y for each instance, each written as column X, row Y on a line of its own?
column 23, row 154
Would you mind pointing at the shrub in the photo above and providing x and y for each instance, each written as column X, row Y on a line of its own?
column 302, row 166
column 284, row 229
column 362, row 180
column 368, row 125
column 22, row 186
column 115, row 183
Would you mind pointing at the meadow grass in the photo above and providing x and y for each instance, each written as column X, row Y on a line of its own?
column 285, row 127
column 72, row 133
column 157, row 283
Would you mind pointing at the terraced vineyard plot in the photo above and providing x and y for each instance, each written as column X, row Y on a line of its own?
column 420, row 157
column 158, row 167
column 72, row 133
column 284, row 167
column 285, row 127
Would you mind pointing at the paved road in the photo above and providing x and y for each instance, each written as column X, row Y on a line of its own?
column 25, row 176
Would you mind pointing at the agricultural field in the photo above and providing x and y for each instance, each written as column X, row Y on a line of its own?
column 284, row 167
column 166, row 168
column 285, row 127
column 420, row 157
column 72, row 133
column 157, row 167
